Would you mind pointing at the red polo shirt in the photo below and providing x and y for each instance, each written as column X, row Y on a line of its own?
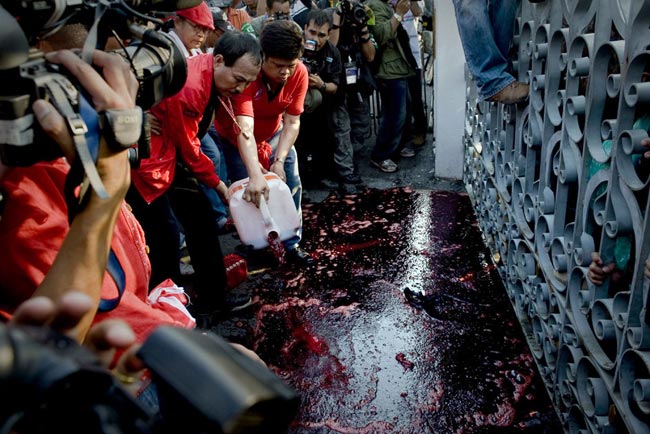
column 254, row 101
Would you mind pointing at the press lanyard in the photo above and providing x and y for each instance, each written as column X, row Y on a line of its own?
column 236, row 127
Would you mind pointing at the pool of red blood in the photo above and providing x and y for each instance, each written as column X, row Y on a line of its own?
column 402, row 326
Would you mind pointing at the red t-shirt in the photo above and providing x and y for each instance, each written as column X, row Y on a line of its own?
column 254, row 102
column 32, row 229
column 180, row 116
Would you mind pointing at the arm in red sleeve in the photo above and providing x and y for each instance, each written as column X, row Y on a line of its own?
column 182, row 121
column 301, row 85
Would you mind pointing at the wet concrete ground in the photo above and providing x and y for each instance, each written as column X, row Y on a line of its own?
column 402, row 326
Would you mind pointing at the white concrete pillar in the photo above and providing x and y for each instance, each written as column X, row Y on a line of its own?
column 449, row 93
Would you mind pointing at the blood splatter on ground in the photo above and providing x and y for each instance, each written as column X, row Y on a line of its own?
column 402, row 326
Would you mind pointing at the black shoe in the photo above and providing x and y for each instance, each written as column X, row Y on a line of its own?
column 233, row 303
column 328, row 183
column 352, row 178
column 346, row 189
column 298, row 256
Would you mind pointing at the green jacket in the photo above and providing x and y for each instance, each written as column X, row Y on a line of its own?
column 392, row 58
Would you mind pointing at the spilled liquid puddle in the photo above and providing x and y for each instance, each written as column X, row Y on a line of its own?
column 402, row 326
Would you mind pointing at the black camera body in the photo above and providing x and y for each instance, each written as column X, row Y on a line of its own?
column 154, row 58
column 353, row 13
column 281, row 16
column 204, row 385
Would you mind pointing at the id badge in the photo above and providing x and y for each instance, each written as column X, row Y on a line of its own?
column 351, row 73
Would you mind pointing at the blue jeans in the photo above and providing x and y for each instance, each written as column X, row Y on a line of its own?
column 237, row 171
column 486, row 34
column 395, row 110
column 210, row 148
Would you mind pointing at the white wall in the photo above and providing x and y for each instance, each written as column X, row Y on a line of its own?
column 449, row 93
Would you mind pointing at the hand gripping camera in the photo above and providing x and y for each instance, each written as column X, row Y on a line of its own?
column 51, row 384
column 26, row 75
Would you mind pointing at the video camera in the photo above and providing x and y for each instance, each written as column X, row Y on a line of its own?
column 154, row 58
column 309, row 52
column 51, row 384
column 279, row 16
column 353, row 14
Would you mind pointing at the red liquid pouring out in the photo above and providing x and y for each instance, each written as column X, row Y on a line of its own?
column 277, row 249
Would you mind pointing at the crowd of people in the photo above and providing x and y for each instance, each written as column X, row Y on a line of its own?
column 272, row 86
column 263, row 79
column 285, row 91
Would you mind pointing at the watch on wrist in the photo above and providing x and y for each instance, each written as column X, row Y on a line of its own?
column 323, row 87
column 398, row 17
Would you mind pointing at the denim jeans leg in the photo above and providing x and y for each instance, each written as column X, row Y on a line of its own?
column 234, row 164
column 503, row 14
column 339, row 122
column 486, row 53
column 417, row 104
column 294, row 183
column 210, row 149
column 394, row 99
column 223, row 172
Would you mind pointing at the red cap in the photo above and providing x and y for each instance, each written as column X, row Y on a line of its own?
column 199, row 15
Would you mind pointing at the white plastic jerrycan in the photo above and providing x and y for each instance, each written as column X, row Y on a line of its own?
column 254, row 224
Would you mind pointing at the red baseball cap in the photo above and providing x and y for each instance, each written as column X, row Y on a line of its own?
column 199, row 15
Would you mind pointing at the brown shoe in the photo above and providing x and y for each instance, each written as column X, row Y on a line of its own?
column 513, row 93
column 418, row 140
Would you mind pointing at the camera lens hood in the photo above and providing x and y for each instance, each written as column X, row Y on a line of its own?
column 14, row 47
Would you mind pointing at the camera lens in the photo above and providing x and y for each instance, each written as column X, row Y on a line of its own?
column 160, row 68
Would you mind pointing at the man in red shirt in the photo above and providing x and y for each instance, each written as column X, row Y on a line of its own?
column 271, row 107
column 236, row 63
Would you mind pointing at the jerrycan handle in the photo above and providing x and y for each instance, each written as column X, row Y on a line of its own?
column 269, row 223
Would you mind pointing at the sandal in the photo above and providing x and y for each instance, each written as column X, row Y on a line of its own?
column 407, row 152
column 387, row 166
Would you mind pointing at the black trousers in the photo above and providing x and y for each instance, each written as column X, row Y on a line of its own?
column 183, row 203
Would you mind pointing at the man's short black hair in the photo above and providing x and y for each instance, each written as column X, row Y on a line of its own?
column 282, row 39
column 235, row 44
column 319, row 17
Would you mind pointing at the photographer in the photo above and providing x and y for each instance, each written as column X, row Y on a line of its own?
column 357, row 46
column 50, row 256
column 275, row 10
column 325, row 69
column 395, row 67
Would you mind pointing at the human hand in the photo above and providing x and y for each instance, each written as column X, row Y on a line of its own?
column 402, row 7
column 103, row 339
column 255, row 189
column 315, row 81
column 222, row 189
column 597, row 271
column 154, row 124
column 249, row 353
column 278, row 168
column 646, row 143
column 115, row 90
